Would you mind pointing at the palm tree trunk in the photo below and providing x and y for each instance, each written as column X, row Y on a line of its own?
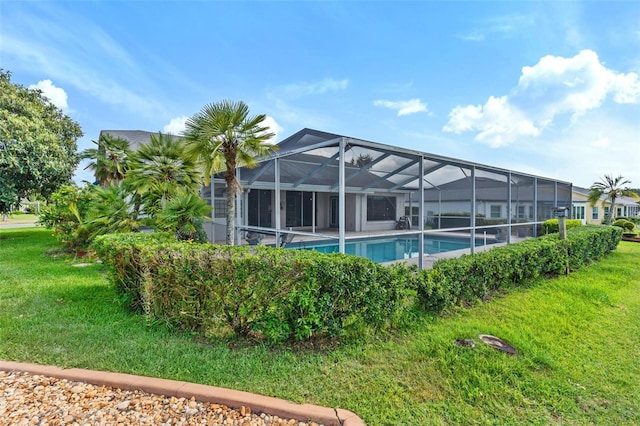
column 231, row 208
column 612, row 211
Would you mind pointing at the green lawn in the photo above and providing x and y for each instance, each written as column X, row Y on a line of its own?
column 578, row 339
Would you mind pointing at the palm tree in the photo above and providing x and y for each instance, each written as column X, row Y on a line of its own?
column 184, row 215
column 109, row 159
column 112, row 210
column 160, row 169
column 222, row 136
column 612, row 189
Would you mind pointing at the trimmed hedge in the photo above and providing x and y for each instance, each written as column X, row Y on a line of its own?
column 281, row 295
column 550, row 226
column 465, row 280
column 259, row 291
column 625, row 224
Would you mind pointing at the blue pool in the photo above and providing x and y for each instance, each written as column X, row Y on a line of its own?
column 390, row 249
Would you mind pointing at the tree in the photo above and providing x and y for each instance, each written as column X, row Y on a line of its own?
column 612, row 189
column 222, row 136
column 38, row 144
column 160, row 169
column 110, row 159
column 184, row 215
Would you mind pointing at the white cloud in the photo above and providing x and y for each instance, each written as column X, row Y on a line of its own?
column 497, row 122
column 56, row 95
column 176, row 126
column 315, row 87
column 274, row 127
column 545, row 92
column 411, row 106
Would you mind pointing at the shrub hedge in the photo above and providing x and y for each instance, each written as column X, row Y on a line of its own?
column 260, row 291
column 465, row 280
column 625, row 224
column 552, row 225
column 281, row 295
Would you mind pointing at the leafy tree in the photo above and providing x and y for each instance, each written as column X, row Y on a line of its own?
column 612, row 188
column 222, row 136
column 38, row 144
column 110, row 159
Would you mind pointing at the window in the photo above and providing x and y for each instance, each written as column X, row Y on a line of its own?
column 578, row 212
column 606, row 212
column 299, row 208
column 381, row 208
column 594, row 213
column 496, row 212
column 521, row 213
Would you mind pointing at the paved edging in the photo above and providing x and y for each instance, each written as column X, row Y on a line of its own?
column 229, row 397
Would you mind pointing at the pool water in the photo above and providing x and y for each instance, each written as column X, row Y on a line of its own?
column 390, row 249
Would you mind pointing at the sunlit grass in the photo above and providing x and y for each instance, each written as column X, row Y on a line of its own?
column 578, row 339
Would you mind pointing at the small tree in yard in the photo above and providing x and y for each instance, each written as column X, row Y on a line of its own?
column 222, row 136
column 612, row 189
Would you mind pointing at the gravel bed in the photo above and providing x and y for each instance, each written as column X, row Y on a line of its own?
column 27, row 399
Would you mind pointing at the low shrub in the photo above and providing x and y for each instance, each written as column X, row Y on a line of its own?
column 465, row 280
column 634, row 219
column 625, row 224
column 552, row 225
column 259, row 291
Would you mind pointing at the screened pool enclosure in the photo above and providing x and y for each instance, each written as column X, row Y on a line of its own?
column 326, row 190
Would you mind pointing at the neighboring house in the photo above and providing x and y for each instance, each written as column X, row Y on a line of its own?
column 324, row 185
column 596, row 214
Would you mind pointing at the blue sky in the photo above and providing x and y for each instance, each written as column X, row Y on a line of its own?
column 550, row 88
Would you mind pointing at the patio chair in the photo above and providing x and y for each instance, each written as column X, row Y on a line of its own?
column 253, row 238
column 286, row 238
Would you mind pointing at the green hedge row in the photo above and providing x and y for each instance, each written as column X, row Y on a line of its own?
column 259, row 291
column 282, row 295
column 475, row 277
column 550, row 226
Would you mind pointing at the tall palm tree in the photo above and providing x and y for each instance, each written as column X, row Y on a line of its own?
column 110, row 159
column 160, row 169
column 612, row 189
column 222, row 136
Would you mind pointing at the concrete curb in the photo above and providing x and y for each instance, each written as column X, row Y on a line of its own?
column 229, row 397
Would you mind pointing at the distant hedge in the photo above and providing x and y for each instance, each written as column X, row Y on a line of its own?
column 475, row 277
column 552, row 225
column 260, row 291
column 281, row 295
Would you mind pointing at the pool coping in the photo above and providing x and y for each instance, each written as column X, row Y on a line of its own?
column 204, row 393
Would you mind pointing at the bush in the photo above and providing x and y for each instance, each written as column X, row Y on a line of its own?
column 121, row 253
column 552, row 225
column 624, row 224
column 260, row 291
column 465, row 280
column 65, row 215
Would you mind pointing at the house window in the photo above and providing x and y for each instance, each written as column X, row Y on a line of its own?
column 380, row 208
column 578, row 212
column 594, row 213
column 606, row 212
column 521, row 213
column 496, row 212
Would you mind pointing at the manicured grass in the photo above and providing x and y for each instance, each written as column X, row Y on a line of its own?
column 578, row 339
column 19, row 219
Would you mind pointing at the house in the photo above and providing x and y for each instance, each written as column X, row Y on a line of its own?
column 596, row 214
column 337, row 189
